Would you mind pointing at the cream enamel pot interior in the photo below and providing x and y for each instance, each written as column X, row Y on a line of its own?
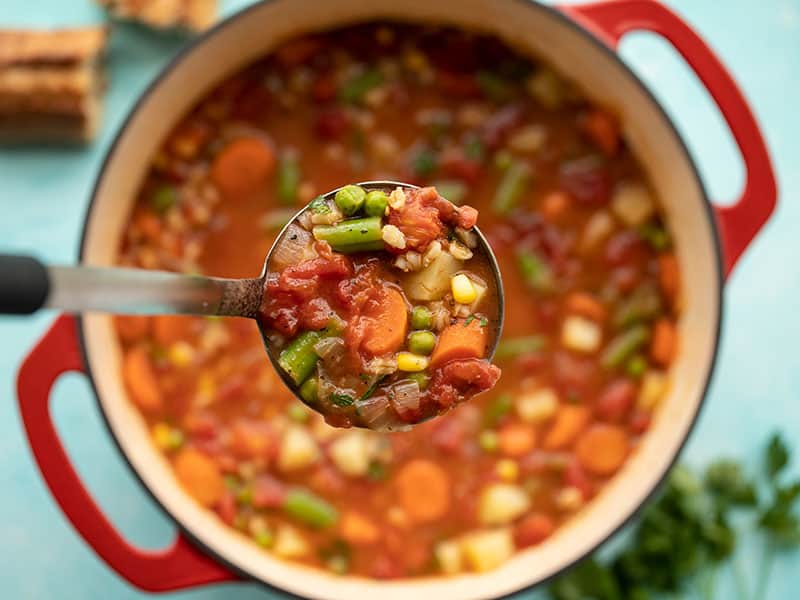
column 705, row 257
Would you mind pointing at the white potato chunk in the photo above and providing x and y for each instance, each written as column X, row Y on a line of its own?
column 632, row 203
column 501, row 503
column 537, row 406
column 448, row 555
column 290, row 543
column 487, row 549
column 350, row 453
column 581, row 334
column 432, row 282
column 654, row 386
column 298, row 449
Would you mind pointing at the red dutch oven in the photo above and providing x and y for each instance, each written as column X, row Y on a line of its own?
column 578, row 41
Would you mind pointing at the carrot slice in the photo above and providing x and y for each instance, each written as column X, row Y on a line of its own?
column 168, row 329
column 358, row 529
column 554, row 205
column 669, row 277
column 132, row 328
column 603, row 129
column 516, row 439
column 140, row 379
column 423, row 490
column 242, row 166
column 200, row 476
column 461, row 340
column 602, row 449
column 664, row 342
column 387, row 322
column 586, row 305
column 569, row 422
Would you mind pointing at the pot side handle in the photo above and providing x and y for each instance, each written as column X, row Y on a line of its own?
column 740, row 222
column 179, row 566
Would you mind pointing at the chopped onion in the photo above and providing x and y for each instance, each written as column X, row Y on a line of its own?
column 329, row 348
column 381, row 365
column 294, row 247
column 405, row 396
column 376, row 412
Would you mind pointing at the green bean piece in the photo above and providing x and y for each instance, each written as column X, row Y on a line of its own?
column 353, row 232
column 350, row 199
column 536, row 273
column 421, row 342
column 512, row 186
column 421, row 318
column 288, row 178
column 365, row 247
column 298, row 359
column 163, row 198
column 354, row 90
column 624, row 345
column 499, row 408
column 513, row 347
column 310, row 509
column 422, row 379
column 636, row 366
column 375, row 203
column 452, row 190
column 309, row 390
column 643, row 305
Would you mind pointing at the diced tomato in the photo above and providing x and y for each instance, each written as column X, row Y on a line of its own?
column 455, row 163
column 253, row 439
column 640, row 421
column 324, row 87
column 299, row 51
column 327, row 481
column 586, row 180
column 602, row 128
column 615, row 401
column 458, row 84
column 268, row 492
column 385, row 567
column 500, row 125
column 459, row 378
column 533, row 529
column 576, row 477
column 226, row 508
column 202, row 425
column 332, row 123
column 448, row 434
column 574, row 375
column 625, row 248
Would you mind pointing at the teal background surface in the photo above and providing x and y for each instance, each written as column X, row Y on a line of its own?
column 44, row 193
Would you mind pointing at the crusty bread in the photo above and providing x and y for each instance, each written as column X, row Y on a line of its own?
column 164, row 14
column 51, row 84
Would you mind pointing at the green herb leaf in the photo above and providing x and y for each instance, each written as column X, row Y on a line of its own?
column 341, row 399
column 319, row 206
column 536, row 273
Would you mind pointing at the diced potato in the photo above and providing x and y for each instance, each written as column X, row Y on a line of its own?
column 599, row 226
column 432, row 282
column 569, row 499
column 501, row 503
column 654, row 387
column 530, row 138
column 537, row 406
column 290, row 543
column 350, row 453
column 480, row 294
column 488, row 549
column 507, row 469
column 448, row 555
column 633, row 203
column 298, row 449
column 581, row 335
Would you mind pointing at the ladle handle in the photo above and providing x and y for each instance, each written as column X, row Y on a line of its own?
column 26, row 285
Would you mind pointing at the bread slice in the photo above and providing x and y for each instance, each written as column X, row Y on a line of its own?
column 165, row 14
column 51, row 84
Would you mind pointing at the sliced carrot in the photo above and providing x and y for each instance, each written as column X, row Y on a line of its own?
column 423, row 489
column 148, row 224
column 387, row 323
column 586, row 305
column 132, row 328
column 242, row 166
column 569, row 422
column 140, row 379
column 602, row 128
column 200, row 476
column 554, row 205
column 669, row 277
column 460, row 340
column 168, row 329
column 602, row 449
column 358, row 529
column 516, row 439
column 664, row 342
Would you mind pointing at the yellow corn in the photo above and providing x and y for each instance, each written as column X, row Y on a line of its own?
column 507, row 469
column 162, row 436
column 180, row 354
column 407, row 361
column 464, row 291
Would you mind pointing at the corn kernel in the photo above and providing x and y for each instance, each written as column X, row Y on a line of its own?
column 507, row 469
column 464, row 291
column 161, row 435
column 654, row 387
column 412, row 363
column 569, row 499
column 180, row 354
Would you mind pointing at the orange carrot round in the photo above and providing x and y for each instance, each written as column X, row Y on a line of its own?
column 200, row 476
column 461, row 340
column 587, row 306
column 242, row 166
column 423, row 490
column 516, row 439
column 140, row 379
column 387, row 323
column 602, row 449
column 569, row 422
column 664, row 342
column 357, row 529
column 669, row 277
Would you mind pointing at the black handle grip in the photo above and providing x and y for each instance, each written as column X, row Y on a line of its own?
column 24, row 285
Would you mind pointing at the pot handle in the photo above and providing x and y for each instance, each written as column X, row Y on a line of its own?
column 179, row 566
column 740, row 222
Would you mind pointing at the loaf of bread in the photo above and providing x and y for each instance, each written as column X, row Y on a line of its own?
column 51, row 84
column 165, row 14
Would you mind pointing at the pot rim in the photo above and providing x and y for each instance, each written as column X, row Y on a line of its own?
column 552, row 11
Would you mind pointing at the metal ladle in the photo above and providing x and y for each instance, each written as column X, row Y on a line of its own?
column 27, row 285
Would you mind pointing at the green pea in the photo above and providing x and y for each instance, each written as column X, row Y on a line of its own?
column 375, row 203
column 350, row 199
column 636, row 366
column 421, row 318
column 164, row 198
column 488, row 440
column 308, row 391
column 296, row 411
column 264, row 538
column 422, row 379
column 421, row 342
